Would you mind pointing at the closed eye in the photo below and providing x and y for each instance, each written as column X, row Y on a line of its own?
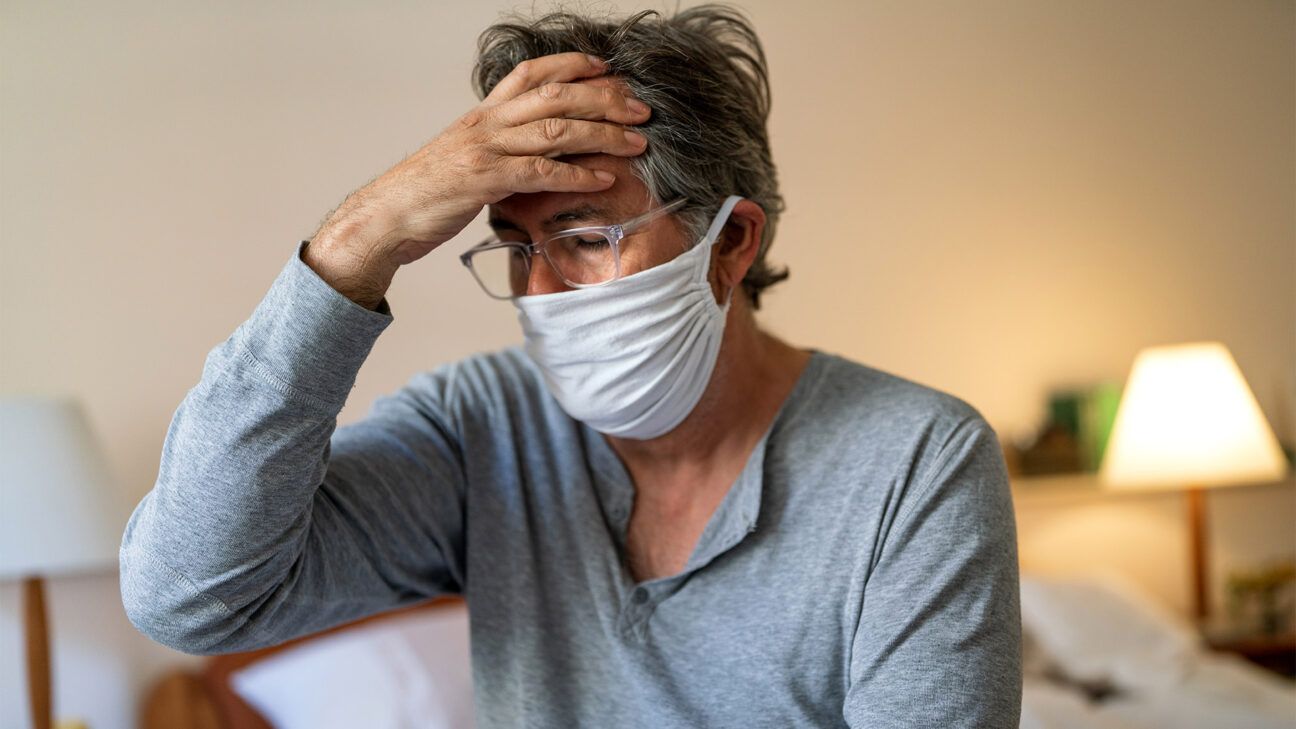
column 594, row 243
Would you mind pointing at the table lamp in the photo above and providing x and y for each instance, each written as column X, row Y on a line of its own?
column 60, row 514
column 1188, row 420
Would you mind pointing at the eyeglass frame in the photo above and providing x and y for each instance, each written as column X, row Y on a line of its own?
column 612, row 233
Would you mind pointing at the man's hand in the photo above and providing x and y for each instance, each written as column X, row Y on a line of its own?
column 503, row 146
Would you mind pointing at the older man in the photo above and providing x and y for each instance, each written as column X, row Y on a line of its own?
column 660, row 515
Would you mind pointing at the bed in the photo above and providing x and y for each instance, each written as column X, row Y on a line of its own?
column 1098, row 653
column 404, row 668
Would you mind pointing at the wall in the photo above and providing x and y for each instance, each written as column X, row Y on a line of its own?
column 992, row 198
column 1067, row 525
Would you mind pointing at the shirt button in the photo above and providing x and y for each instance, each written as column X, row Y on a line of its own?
column 640, row 596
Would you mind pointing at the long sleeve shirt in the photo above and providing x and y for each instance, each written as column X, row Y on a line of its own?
column 860, row 572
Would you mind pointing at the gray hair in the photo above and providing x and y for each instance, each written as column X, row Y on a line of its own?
column 702, row 71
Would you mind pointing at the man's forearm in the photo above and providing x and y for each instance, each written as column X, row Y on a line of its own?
column 244, row 455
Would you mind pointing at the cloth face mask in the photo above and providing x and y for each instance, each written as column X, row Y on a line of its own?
column 631, row 358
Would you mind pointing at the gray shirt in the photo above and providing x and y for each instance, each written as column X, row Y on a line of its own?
column 861, row 571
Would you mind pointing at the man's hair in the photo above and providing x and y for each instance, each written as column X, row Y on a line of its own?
column 703, row 73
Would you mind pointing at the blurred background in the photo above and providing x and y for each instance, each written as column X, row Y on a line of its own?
column 1007, row 200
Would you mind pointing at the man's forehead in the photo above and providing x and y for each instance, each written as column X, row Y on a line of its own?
column 551, row 210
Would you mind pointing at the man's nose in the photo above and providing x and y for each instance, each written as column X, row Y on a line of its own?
column 543, row 279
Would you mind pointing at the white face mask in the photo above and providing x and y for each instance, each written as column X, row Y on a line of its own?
column 633, row 357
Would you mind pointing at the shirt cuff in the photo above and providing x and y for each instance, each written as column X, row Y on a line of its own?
column 309, row 337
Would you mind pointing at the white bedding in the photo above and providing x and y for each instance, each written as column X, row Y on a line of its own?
column 1101, row 632
column 1223, row 692
column 407, row 672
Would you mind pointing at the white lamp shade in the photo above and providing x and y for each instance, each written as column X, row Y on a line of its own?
column 60, row 511
column 1187, row 418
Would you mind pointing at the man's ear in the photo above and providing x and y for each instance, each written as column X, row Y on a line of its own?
column 739, row 243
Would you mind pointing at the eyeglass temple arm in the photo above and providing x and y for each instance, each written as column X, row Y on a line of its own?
column 650, row 215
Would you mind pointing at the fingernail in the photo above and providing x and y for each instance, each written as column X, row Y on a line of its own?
column 604, row 175
column 635, row 138
column 637, row 106
column 596, row 60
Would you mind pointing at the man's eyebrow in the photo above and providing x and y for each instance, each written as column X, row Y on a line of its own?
column 584, row 212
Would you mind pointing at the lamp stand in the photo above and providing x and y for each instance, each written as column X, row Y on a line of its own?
column 36, row 635
column 1197, row 545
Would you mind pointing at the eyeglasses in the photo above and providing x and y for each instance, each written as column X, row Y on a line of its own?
column 582, row 257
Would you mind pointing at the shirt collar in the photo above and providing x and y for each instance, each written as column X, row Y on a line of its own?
column 738, row 513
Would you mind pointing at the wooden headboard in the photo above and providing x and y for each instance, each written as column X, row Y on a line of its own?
column 203, row 699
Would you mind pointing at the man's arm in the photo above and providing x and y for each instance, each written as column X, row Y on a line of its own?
column 264, row 524
column 939, row 638
column 254, row 532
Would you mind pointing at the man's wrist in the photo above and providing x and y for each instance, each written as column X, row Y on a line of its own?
column 309, row 337
column 349, row 277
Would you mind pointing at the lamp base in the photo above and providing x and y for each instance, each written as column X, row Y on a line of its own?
column 36, row 636
column 1196, row 497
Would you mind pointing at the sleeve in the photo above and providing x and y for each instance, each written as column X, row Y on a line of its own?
column 939, row 635
column 265, row 524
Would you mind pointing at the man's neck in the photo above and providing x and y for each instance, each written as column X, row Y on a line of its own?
column 753, row 375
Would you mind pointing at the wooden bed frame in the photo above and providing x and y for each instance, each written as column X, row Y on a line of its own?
column 203, row 699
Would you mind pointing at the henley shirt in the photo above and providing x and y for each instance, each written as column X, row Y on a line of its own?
column 860, row 572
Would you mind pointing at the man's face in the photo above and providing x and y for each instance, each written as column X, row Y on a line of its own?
column 538, row 215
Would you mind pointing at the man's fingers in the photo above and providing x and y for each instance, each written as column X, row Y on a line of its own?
column 552, row 137
column 535, row 72
column 541, row 174
column 571, row 101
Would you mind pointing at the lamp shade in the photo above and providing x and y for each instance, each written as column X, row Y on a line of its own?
column 1187, row 418
column 60, row 511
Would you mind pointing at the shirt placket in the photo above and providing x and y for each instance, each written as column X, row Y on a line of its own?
column 733, row 520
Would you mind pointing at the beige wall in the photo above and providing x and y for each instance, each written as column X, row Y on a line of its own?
column 992, row 198
column 1068, row 526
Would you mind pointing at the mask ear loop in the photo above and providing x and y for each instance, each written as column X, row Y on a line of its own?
column 713, row 233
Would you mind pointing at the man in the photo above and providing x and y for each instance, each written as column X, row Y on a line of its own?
column 659, row 514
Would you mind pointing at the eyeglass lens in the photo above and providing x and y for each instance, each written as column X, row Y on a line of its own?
column 579, row 259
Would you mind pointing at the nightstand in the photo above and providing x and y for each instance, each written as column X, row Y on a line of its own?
column 1274, row 652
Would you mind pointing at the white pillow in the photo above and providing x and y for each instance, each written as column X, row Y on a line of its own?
column 1101, row 628
column 399, row 673
column 1046, row 705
